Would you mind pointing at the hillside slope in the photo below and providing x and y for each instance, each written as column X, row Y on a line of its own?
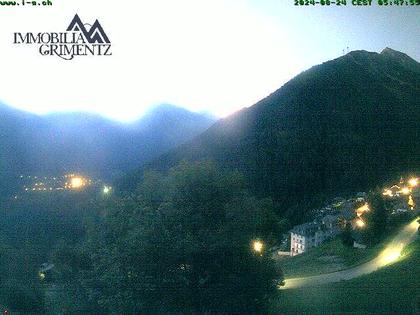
column 391, row 290
column 344, row 125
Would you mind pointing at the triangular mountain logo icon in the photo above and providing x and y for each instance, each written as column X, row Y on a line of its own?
column 95, row 34
column 80, row 39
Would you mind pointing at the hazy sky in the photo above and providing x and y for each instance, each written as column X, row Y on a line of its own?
column 216, row 56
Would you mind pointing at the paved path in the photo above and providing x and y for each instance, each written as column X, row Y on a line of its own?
column 388, row 256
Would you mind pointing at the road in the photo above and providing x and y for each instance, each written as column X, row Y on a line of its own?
column 389, row 255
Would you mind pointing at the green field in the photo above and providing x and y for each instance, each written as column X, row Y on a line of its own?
column 392, row 290
column 329, row 257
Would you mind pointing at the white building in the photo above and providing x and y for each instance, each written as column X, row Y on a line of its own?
column 305, row 236
column 313, row 234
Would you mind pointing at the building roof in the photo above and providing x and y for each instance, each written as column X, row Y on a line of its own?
column 329, row 218
column 348, row 215
column 306, row 229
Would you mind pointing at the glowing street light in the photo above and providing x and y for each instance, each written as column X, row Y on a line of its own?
column 411, row 202
column 360, row 223
column 362, row 209
column 107, row 190
column 388, row 192
column 413, row 182
column 258, row 246
column 41, row 276
column 405, row 191
column 391, row 254
column 77, row 182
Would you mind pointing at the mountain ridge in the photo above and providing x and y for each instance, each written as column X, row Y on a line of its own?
column 84, row 142
column 346, row 124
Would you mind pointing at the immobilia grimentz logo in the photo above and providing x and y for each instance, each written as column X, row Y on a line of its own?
column 78, row 40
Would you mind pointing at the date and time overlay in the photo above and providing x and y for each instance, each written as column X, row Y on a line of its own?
column 358, row 3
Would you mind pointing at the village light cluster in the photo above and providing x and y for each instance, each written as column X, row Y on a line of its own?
column 359, row 212
column 71, row 182
column 406, row 190
column 397, row 190
column 67, row 182
column 329, row 221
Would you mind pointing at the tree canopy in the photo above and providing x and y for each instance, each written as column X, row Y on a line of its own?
column 183, row 244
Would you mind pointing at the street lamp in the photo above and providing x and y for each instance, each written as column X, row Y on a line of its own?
column 41, row 275
column 405, row 191
column 413, row 182
column 360, row 223
column 77, row 182
column 411, row 202
column 388, row 192
column 107, row 190
column 258, row 246
column 362, row 209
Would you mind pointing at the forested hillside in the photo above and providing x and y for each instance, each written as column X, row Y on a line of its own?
column 341, row 126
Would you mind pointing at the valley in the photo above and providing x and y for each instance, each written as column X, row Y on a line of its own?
column 183, row 213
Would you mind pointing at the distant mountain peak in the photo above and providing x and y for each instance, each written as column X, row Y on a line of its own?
column 386, row 52
column 172, row 111
column 87, row 142
column 386, row 58
column 345, row 125
column 404, row 59
column 168, row 114
column 163, row 108
column 392, row 52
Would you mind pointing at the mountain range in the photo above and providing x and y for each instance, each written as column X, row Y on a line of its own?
column 80, row 142
column 342, row 126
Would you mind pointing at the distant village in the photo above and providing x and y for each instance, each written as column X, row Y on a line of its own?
column 329, row 221
column 66, row 182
